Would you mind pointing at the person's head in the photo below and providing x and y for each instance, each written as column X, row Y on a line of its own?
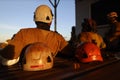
column 43, row 15
column 112, row 17
column 89, row 25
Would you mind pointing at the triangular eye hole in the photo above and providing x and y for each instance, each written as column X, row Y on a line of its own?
column 49, row 59
column 47, row 18
column 84, row 55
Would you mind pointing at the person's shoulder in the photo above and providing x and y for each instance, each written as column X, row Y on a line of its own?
column 28, row 29
column 117, row 23
column 56, row 33
column 93, row 33
column 85, row 33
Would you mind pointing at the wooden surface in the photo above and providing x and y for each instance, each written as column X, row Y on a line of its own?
column 65, row 69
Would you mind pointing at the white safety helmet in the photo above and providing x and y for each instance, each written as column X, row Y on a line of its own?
column 112, row 14
column 37, row 56
column 43, row 13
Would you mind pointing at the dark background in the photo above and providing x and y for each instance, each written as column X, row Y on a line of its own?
column 100, row 9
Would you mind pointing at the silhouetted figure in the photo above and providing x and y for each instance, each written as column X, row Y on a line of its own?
column 113, row 36
column 89, row 34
